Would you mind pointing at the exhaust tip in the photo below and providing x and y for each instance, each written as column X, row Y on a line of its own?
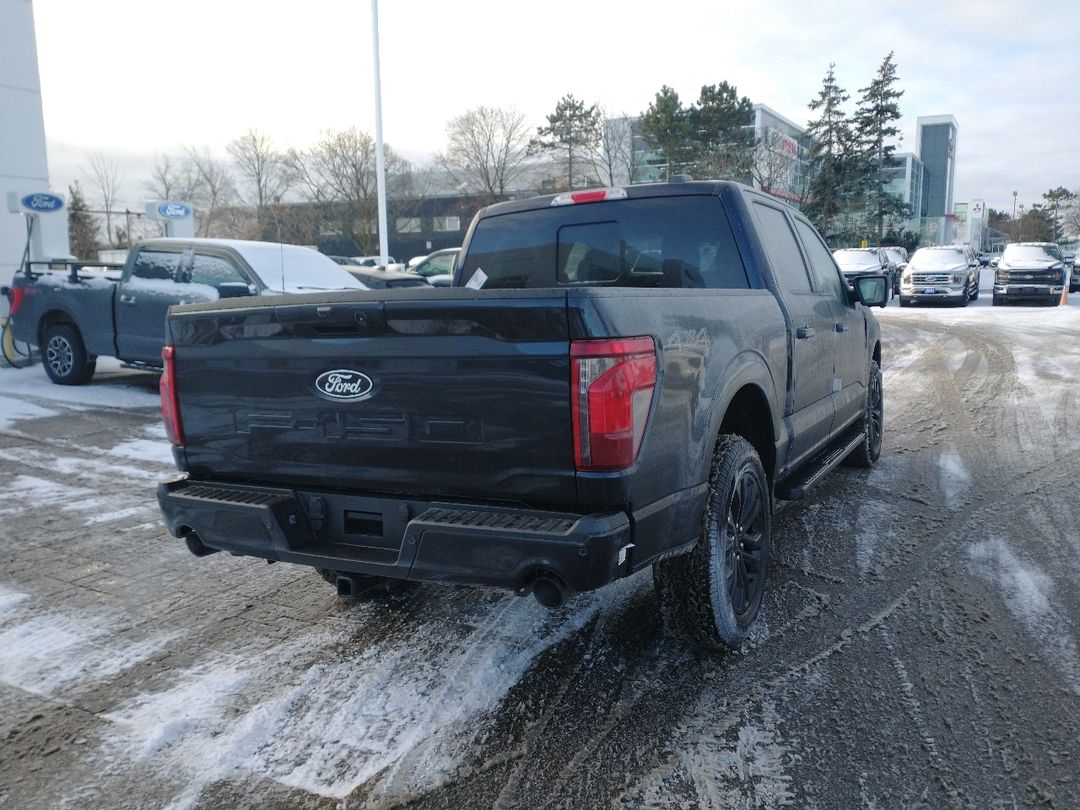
column 549, row 591
column 196, row 547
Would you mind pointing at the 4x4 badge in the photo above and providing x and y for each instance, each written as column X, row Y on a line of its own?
column 343, row 384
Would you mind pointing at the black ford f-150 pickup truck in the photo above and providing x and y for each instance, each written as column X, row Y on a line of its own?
column 619, row 378
column 75, row 317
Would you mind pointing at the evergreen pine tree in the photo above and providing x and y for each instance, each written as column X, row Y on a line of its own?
column 82, row 227
column 666, row 128
column 830, row 158
column 874, row 130
column 721, row 127
column 574, row 128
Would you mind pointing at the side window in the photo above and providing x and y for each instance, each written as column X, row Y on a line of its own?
column 215, row 270
column 826, row 274
column 782, row 248
column 157, row 265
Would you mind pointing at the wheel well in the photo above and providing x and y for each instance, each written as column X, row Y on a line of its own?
column 52, row 317
column 748, row 415
column 877, row 354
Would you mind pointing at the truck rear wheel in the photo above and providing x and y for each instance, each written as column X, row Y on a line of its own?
column 873, row 422
column 64, row 355
column 711, row 595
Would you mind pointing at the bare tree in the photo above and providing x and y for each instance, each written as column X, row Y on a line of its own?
column 106, row 177
column 613, row 154
column 338, row 176
column 1070, row 219
column 263, row 168
column 213, row 192
column 487, row 150
column 774, row 157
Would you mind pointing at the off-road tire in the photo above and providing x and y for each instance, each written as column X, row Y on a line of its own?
column 873, row 422
column 905, row 302
column 64, row 356
column 697, row 591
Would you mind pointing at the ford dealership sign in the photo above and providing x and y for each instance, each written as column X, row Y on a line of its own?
column 344, row 384
column 42, row 202
column 171, row 210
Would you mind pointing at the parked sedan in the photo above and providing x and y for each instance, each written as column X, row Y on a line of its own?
column 947, row 273
column 857, row 262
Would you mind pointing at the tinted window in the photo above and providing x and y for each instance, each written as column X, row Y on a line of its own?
column 156, row 264
column 782, row 248
column 669, row 242
column 214, row 270
column 821, row 263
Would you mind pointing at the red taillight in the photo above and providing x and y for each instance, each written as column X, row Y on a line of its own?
column 590, row 196
column 15, row 296
column 611, row 393
column 170, row 401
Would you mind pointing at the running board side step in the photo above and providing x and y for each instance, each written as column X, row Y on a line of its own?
column 796, row 486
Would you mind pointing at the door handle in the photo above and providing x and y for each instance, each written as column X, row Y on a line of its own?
column 840, row 326
column 127, row 299
column 804, row 332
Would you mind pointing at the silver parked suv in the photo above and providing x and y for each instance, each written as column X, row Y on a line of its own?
column 948, row 273
column 1031, row 271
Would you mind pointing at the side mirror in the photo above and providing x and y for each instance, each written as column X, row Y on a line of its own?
column 872, row 291
column 234, row 289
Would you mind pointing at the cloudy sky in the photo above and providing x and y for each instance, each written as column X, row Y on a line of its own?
column 134, row 78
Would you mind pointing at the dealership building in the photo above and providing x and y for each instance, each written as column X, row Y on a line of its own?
column 24, row 168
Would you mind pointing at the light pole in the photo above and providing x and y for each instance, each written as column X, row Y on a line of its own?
column 380, row 164
column 1014, row 209
column 1020, row 238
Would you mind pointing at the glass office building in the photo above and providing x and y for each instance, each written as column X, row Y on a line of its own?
column 935, row 137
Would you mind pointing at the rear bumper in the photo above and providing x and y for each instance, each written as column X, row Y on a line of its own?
column 401, row 538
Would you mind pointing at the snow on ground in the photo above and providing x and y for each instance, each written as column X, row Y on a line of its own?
column 111, row 387
column 1027, row 591
column 10, row 600
column 954, row 476
column 16, row 410
column 155, row 451
column 401, row 711
column 56, row 652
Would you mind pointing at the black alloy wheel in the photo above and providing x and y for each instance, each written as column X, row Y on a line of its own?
column 743, row 537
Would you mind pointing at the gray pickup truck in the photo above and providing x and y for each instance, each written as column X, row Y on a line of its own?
column 76, row 316
column 619, row 378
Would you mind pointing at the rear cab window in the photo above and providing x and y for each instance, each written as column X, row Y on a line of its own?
column 669, row 242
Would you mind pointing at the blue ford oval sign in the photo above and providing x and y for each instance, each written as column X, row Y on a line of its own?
column 174, row 210
column 42, row 202
column 343, row 384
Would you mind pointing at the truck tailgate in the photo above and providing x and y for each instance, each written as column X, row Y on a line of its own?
column 408, row 395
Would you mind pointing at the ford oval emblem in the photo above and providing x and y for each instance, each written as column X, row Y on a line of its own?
column 343, row 384
column 174, row 210
column 42, row 202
